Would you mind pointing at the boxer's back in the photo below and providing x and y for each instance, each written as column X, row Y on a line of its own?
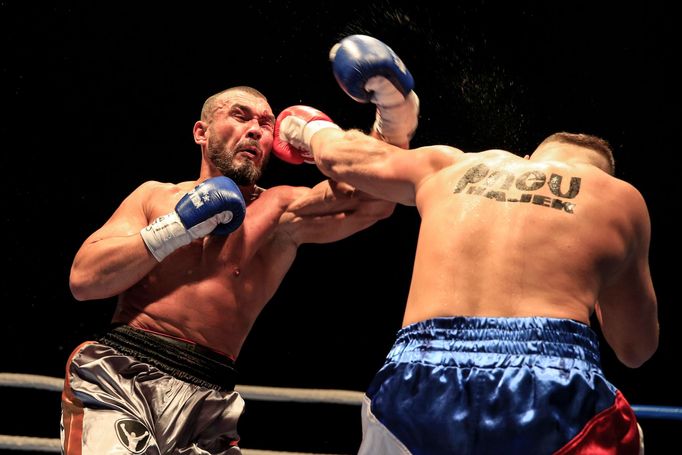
column 504, row 236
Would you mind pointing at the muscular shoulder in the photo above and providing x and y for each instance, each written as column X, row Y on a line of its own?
column 630, row 198
column 270, row 212
column 272, row 203
column 282, row 195
column 153, row 196
column 153, row 187
column 615, row 202
column 437, row 157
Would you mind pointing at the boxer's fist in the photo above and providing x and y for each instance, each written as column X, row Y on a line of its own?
column 214, row 206
column 369, row 71
column 294, row 127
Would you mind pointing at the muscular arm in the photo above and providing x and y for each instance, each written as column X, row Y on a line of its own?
column 331, row 211
column 375, row 167
column 627, row 307
column 114, row 257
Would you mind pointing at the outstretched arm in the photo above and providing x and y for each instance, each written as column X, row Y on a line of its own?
column 380, row 169
column 331, row 211
column 375, row 167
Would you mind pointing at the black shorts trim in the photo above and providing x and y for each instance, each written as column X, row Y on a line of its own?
column 189, row 362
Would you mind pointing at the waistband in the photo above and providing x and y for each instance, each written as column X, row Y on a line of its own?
column 551, row 337
column 189, row 362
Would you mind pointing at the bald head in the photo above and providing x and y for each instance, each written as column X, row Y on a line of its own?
column 216, row 101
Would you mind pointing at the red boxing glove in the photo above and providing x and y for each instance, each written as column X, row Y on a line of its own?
column 294, row 128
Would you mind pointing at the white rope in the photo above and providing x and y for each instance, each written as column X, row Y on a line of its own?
column 272, row 452
column 29, row 443
column 26, row 443
column 34, row 381
column 333, row 396
column 31, row 381
column 248, row 392
column 251, row 392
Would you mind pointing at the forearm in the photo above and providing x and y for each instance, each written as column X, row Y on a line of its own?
column 346, row 156
column 380, row 169
column 633, row 335
column 105, row 268
column 629, row 312
column 364, row 162
column 331, row 211
column 634, row 351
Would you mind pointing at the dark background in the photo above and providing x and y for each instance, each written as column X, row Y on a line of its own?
column 99, row 98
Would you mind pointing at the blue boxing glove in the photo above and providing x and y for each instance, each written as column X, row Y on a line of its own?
column 369, row 71
column 216, row 206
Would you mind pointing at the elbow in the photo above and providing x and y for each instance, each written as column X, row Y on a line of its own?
column 632, row 361
column 386, row 210
column 635, row 356
column 78, row 292
column 376, row 210
column 78, row 284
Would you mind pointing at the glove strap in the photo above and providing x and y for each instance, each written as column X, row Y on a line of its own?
column 310, row 129
column 397, row 124
column 165, row 235
column 313, row 127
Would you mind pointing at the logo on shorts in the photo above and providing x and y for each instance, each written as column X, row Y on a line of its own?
column 132, row 435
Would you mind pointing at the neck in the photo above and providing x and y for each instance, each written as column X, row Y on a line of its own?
column 251, row 192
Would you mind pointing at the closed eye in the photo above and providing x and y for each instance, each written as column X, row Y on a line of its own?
column 268, row 125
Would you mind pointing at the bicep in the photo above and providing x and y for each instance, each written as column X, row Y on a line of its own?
column 380, row 169
column 398, row 176
column 128, row 219
column 328, row 196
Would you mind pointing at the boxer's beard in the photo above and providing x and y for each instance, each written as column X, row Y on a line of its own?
column 244, row 173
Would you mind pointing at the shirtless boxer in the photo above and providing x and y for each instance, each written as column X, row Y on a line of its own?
column 192, row 264
column 514, row 255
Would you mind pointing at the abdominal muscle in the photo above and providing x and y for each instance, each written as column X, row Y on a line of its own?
column 196, row 296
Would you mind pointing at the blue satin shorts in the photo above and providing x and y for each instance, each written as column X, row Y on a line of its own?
column 469, row 385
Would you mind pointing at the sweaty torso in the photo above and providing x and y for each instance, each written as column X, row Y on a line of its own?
column 506, row 237
column 211, row 291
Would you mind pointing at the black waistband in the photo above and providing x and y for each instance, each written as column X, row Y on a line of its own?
column 186, row 361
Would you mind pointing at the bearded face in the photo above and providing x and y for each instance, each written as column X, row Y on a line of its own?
column 242, row 170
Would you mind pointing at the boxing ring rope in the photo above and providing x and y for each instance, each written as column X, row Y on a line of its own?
column 258, row 393
column 248, row 392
